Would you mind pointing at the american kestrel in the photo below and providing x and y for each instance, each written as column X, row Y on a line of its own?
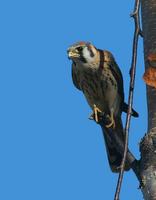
column 96, row 73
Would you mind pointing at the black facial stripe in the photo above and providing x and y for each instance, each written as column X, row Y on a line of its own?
column 91, row 53
column 101, row 59
column 90, row 50
column 82, row 58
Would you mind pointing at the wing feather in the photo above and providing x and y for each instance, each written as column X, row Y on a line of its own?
column 115, row 70
column 118, row 77
column 75, row 76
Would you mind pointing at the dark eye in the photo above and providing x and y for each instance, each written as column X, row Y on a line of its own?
column 79, row 48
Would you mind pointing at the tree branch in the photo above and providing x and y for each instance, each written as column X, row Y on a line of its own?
column 137, row 31
column 148, row 143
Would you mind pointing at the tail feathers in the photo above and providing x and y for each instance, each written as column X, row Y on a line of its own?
column 125, row 109
column 114, row 157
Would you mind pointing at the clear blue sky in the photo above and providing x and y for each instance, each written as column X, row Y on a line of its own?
column 49, row 150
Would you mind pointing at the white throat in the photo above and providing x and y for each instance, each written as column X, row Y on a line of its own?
column 87, row 55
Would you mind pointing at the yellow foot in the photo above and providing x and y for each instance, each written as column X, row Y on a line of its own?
column 112, row 123
column 94, row 115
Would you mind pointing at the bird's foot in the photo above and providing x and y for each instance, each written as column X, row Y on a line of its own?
column 111, row 120
column 96, row 114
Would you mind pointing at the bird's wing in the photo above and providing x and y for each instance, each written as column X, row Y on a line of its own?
column 75, row 76
column 115, row 70
column 118, row 76
column 119, row 79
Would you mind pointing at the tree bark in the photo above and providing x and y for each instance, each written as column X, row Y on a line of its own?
column 148, row 143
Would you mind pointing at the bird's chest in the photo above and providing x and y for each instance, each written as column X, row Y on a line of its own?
column 98, row 86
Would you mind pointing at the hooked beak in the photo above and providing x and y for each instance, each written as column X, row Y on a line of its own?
column 72, row 53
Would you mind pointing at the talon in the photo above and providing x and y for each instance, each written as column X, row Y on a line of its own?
column 96, row 111
column 94, row 115
column 112, row 123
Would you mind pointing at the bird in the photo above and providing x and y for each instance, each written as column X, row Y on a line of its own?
column 96, row 73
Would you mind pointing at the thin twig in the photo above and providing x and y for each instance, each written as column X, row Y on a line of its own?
column 137, row 32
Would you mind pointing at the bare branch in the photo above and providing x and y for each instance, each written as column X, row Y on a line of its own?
column 137, row 32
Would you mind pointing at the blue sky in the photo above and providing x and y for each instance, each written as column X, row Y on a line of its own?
column 49, row 150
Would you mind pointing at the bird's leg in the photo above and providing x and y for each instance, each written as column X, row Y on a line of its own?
column 111, row 117
column 95, row 113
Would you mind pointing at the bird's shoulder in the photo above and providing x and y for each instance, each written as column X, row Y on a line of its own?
column 76, row 76
column 108, row 56
column 110, row 62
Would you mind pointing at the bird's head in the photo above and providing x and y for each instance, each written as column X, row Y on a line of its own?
column 83, row 52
